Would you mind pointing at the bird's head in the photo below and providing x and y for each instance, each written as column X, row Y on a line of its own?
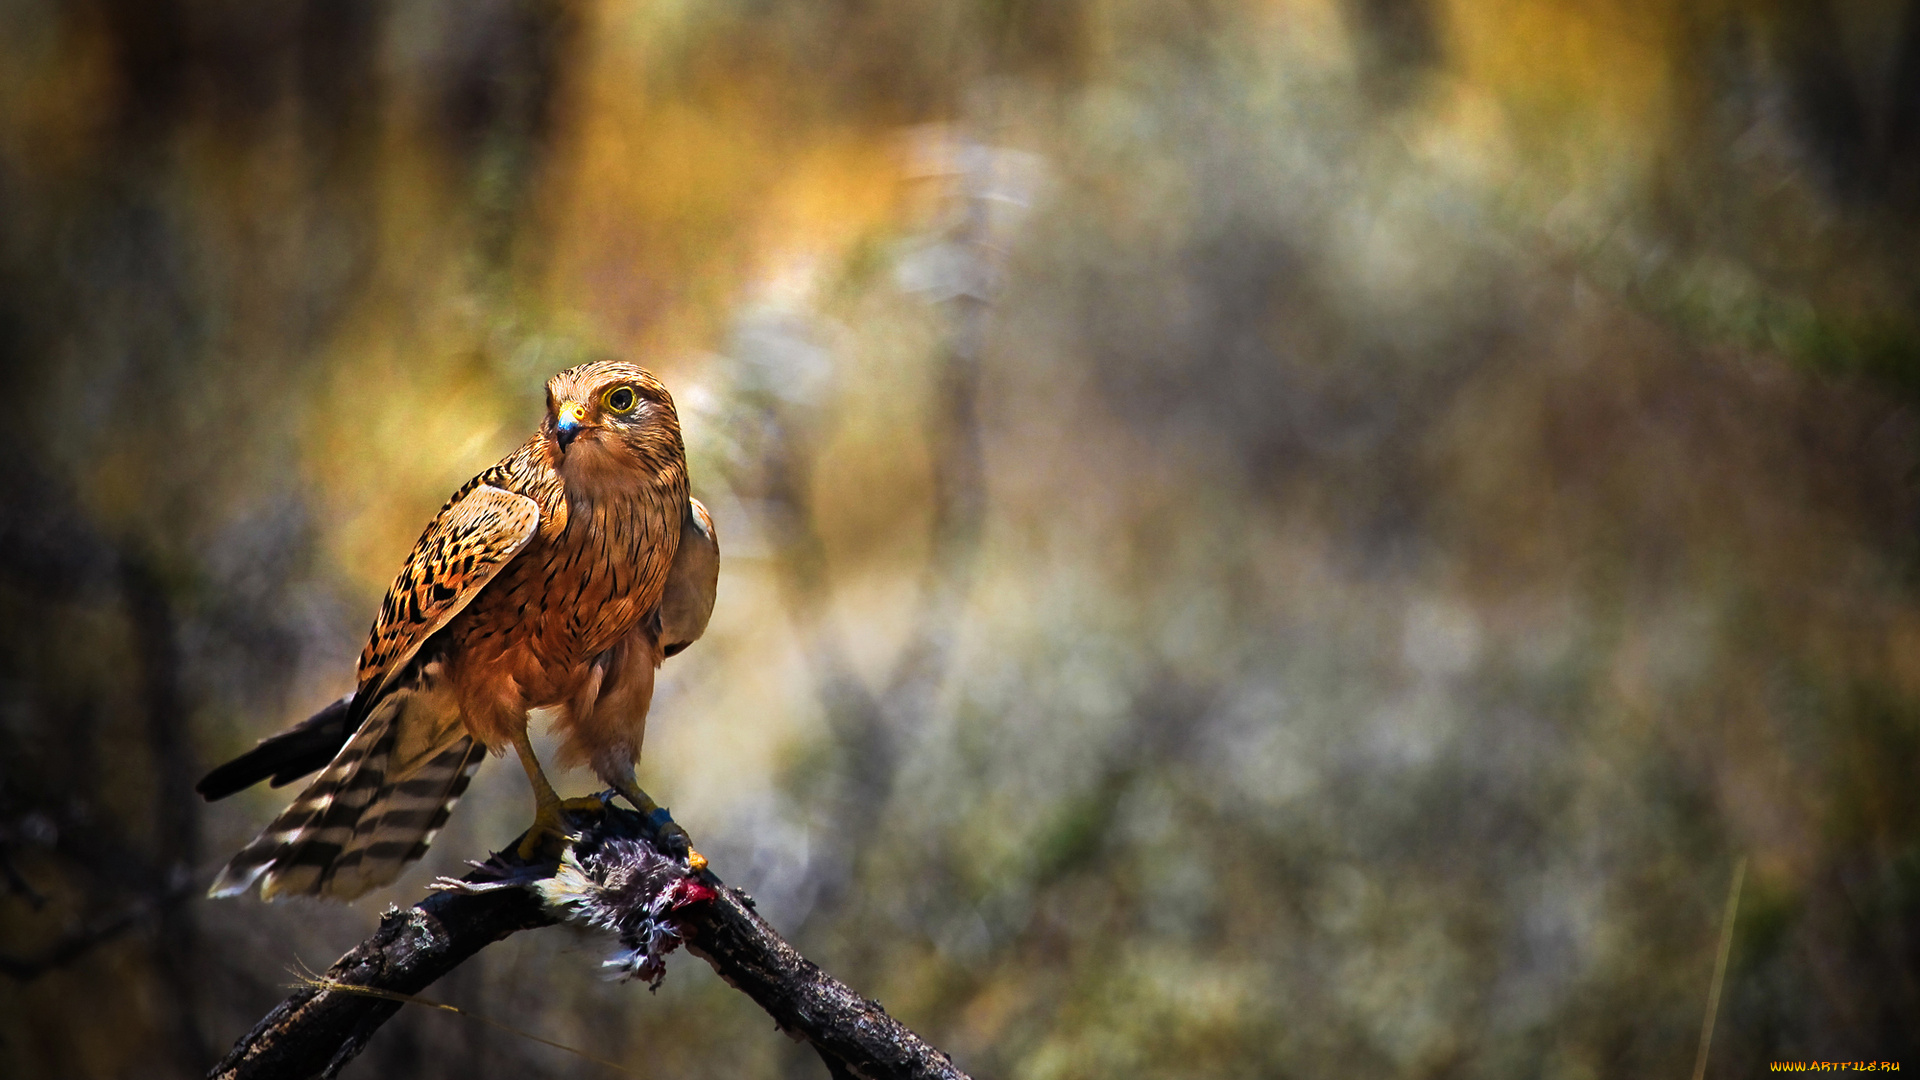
column 610, row 424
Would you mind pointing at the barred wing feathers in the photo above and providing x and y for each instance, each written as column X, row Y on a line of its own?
column 379, row 801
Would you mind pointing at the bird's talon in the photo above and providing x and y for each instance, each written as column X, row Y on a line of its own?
column 667, row 834
column 585, row 804
column 675, row 841
column 539, row 845
column 549, row 835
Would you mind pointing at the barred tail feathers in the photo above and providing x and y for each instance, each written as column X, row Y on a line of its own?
column 332, row 802
column 402, row 821
column 283, row 758
column 359, row 822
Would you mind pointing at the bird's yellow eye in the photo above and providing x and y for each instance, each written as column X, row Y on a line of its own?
column 619, row 400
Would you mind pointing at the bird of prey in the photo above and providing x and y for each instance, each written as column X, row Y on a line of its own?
column 558, row 579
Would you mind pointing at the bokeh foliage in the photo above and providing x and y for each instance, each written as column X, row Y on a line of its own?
column 1299, row 537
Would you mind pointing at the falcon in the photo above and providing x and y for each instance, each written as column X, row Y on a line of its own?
column 558, row 579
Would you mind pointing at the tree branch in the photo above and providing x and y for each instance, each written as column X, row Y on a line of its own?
column 612, row 878
column 806, row 1002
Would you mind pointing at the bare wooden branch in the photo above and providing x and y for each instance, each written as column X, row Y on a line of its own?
column 844, row 1027
column 316, row 1031
column 607, row 881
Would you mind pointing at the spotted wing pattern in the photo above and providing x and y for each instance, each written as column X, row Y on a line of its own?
column 477, row 533
column 377, row 804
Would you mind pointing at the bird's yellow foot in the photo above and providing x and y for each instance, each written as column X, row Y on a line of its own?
column 550, row 832
column 667, row 833
column 675, row 839
column 584, row 804
column 671, row 836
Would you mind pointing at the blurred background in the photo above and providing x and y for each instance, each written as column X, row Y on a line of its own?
column 1285, row 538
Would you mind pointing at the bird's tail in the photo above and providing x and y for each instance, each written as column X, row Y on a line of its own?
column 285, row 757
column 371, row 811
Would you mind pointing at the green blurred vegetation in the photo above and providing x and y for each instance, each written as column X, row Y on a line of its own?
column 1284, row 538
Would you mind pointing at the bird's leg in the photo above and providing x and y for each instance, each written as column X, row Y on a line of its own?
column 548, row 834
column 671, row 834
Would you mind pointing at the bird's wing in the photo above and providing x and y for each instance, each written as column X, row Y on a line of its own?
column 475, row 535
column 486, row 523
column 687, row 603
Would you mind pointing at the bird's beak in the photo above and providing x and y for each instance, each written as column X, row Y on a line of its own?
column 571, row 416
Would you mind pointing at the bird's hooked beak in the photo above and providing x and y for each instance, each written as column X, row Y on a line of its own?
column 571, row 417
